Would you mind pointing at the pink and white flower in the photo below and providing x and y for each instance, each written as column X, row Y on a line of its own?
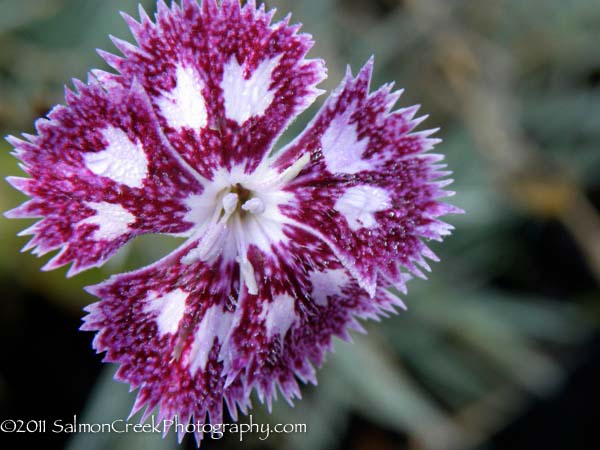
column 283, row 252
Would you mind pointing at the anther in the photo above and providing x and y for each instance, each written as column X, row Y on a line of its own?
column 230, row 202
column 255, row 206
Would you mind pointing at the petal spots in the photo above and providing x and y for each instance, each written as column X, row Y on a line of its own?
column 112, row 220
column 251, row 76
column 123, row 161
column 247, row 97
column 169, row 308
column 378, row 187
column 359, row 204
column 342, row 150
column 184, row 106
column 102, row 172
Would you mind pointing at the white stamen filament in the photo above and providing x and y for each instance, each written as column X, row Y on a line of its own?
column 294, row 170
column 247, row 272
column 246, row 268
column 211, row 243
column 287, row 175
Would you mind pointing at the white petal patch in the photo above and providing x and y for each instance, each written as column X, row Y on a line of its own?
column 327, row 283
column 215, row 324
column 342, row 150
column 279, row 315
column 266, row 229
column 245, row 98
column 122, row 161
column 113, row 220
column 359, row 203
column 201, row 206
column 262, row 229
column 170, row 308
column 184, row 106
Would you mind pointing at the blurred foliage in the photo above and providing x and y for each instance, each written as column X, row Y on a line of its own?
column 515, row 87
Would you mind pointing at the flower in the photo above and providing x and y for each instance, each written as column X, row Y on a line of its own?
column 283, row 251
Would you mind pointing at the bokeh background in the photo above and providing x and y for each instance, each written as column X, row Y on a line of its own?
column 499, row 348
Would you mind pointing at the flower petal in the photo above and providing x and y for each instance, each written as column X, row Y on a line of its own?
column 305, row 297
column 191, row 336
column 224, row 81
column 165, row 325
column 370, row 183
column 101, row 173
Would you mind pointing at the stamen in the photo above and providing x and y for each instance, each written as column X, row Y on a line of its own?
column 211, row 243
column 247, row 272
column 254, row 205
column 246, row 268
column 286, row 176
column 294, row 170
column 230, row 202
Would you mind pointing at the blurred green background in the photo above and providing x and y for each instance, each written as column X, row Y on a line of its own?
column 499, row 349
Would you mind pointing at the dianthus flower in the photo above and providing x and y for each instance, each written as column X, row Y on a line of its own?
column 284, row 251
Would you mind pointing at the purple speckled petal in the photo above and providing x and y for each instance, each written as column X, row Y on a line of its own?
column 306, row 299
column 224, row 81
column 370, row 191
column 191, row 336
column 101, row 173
column 165, row 325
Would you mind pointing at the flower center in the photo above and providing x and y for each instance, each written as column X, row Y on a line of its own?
column 238, row 210
column 246, row 201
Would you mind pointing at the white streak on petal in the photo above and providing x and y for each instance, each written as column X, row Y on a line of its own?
column 359, row 203
column 342, row 150
column 214, row 324
column 327, row 283
column 266, row 228
column 213, row 240
column 279, row 315
column 122, row 161
column 113, row 220
column 184, row 106
column 170, row 308
column 200, row 208
column 248, row 275
column 245, row 98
